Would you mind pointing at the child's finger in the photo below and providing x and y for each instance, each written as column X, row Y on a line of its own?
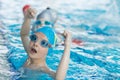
column 32, row 10
column 65, row 33
column 31, row 13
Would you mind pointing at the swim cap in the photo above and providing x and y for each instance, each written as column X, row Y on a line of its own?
column 49, row 33
column 48, row 13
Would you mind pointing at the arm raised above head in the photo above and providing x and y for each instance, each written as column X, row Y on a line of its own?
column 29, row 14
column 63, row 66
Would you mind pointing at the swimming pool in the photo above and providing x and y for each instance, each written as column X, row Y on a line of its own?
column 95, row 23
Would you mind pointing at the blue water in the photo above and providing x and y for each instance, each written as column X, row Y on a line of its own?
column 94, row 22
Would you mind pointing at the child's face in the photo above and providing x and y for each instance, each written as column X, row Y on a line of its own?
column 36, row 51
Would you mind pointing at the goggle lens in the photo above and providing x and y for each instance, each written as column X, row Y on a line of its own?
column 43, row 43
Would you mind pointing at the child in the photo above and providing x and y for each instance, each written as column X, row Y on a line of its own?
column 42, row 40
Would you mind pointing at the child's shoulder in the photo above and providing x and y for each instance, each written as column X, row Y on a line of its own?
column 27, row 63
column 50, row 72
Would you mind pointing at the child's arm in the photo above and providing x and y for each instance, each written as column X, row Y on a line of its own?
column 28, row 15
column 63, row 66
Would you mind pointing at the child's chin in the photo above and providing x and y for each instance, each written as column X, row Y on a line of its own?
column 33, row 57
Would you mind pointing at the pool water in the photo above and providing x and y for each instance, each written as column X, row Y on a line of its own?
column 95, row 23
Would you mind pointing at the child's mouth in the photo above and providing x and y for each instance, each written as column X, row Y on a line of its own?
column 33, row 50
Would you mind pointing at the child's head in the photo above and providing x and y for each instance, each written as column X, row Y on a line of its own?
column 43, row 39
column 46, row 17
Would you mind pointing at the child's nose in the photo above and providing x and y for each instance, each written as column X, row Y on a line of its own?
column 42, row 25
column 35, row 44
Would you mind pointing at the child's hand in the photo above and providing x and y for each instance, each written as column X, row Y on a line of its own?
column 68, row 38
column 29, row 13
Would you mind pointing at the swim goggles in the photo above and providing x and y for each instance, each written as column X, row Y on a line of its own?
column 43, row 43
column 38, row 23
